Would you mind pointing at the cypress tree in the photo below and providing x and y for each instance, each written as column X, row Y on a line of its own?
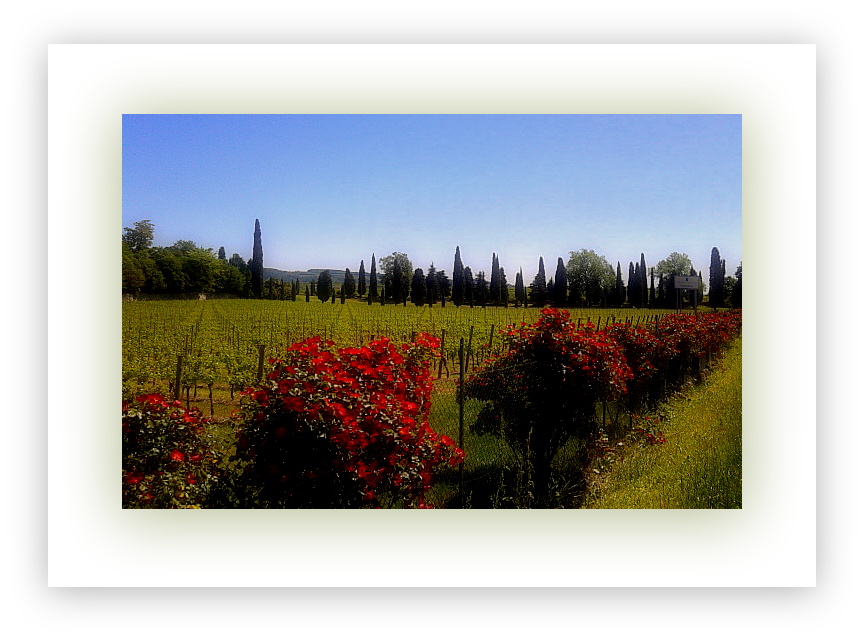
column 652, row 299
column 504, row 297
column 418, row 288
column 481, row 289
column 348, row 285
column 458, row 296
column 494, row 285
column 559, row 286
column 468, row 286
column 222, row 254
column 631, row 286
column 643, row 272
column 736, row 290
column 373, row 281
column 520, row 289
column 538, row 287
column 432, row 291
column 257, row 263
column 307, row 292
column 325, row 285
column 443, row 284
column 361, row 284
column 619, row 287
column 716, row 278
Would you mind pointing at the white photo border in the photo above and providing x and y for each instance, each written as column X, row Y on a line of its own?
column 771, row 541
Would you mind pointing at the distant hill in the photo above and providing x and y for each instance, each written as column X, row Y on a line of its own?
column 306, row 277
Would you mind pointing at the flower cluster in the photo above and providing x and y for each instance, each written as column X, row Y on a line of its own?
column 167, row 461
column 332, row 428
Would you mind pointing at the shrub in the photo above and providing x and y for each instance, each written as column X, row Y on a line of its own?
column 545, row 389
column 342, row 428
column 167, row 460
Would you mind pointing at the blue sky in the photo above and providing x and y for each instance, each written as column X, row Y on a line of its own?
column 330, row 190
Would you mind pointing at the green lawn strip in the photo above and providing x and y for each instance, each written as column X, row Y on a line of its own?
column 699, row 466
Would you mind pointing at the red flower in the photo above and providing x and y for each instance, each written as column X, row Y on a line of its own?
column 177, row 456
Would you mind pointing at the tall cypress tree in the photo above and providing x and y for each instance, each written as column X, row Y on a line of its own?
column 631, row 285
column 643, row 272
column 504, row 297
column 716, row 279
column 432, row 291
column 538, row 287
column 468, row 286
column 373, row 281
column 652, row 298
column 494, row 285
column 520, row 288
column 559, row 286
column 619, row 287
column 458, row 295
column 257, row 263
column 361, row 284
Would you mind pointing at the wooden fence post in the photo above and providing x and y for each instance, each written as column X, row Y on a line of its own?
column 177, row 377
column 260, row 361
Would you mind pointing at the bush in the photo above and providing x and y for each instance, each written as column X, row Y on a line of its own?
column 342, row 428
column 545, row 390
column 167, row 460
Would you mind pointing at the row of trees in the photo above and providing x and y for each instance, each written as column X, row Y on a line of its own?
column 586, row 279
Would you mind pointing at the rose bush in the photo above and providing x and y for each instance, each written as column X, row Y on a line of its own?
column 167, row 459
column 342, row 428
column 544, row 390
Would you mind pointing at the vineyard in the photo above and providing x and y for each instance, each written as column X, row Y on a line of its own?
column 220, row 340
column 533, row 398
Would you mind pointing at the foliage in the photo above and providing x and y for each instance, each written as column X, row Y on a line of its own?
column 544, row 389
column 256, row 265
column 140, row 236
column 167, row 460
column 538, row 286
column 373, row 281
column 418, row 288
column 349, row 286
column 458, row 279
column 343, row 428
column 588, row 275
column 398, row 271
column 361, row 284
column 559, row 286
column 324, row 289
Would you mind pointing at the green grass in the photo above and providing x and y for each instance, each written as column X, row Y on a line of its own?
column 699, row 466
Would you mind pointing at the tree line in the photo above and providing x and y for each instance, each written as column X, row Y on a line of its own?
column 585, row 280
